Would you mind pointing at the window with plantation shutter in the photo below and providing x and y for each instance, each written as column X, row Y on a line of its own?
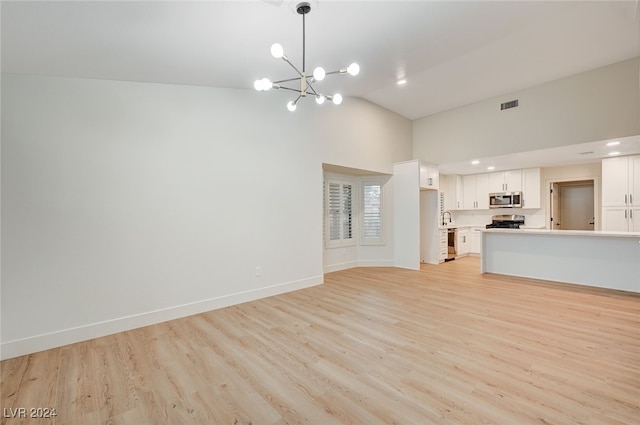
column 339, row 212
column 371, row 212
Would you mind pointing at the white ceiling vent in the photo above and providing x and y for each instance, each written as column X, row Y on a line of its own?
column 509, row 105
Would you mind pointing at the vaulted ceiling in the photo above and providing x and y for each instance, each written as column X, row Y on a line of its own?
column 451, row 52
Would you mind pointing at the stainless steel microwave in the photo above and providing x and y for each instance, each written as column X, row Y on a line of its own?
column 505, row 200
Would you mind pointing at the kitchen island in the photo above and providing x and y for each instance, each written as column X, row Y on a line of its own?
column 594, row 258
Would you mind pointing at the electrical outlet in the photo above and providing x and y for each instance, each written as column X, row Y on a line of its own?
column 258, row 271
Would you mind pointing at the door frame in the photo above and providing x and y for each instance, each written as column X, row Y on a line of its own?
column 597, row 207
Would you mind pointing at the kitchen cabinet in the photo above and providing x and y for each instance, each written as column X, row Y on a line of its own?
column 475, row 238
column 406, row 215
column 443, row 245
column 621, row 181
column 429, row 176
column 505, row 181
column 451, row 185
column 462, row 242
column 531, row 188
column 621, row 194
column 415, row 218
column 621, row 219
column 475, row 188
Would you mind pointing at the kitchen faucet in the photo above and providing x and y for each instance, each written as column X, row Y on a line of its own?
column 446, row 212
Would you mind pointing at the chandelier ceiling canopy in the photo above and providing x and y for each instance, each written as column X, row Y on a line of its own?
column 306, row 82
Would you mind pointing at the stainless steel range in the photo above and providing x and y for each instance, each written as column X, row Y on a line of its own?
column 506, row 221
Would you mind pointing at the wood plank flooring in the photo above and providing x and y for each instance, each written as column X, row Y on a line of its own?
column 443, row 345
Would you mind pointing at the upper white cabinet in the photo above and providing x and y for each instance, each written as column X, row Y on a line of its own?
column 621, row 193
column 531, row 188
column 505, row 181
column 621, row 181
column 475, row 188
column 429, row 176
column 451, row 185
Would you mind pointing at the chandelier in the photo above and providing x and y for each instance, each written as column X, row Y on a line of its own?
column 306, row 81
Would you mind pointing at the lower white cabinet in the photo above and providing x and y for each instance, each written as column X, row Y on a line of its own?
column 443, row 244
column 475, row 236
column 462, row 243
column 621, row 219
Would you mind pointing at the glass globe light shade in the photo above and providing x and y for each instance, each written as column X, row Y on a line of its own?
column 291, row 106
column 337, row 99
column 353, row 69
column 319, row 73
column 277, row 51
column 320, row 99
column 257, row 84
column 266, row 84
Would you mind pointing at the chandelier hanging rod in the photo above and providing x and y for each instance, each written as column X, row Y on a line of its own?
column 306, row 81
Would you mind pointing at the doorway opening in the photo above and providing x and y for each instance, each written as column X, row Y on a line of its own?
column 572, row 205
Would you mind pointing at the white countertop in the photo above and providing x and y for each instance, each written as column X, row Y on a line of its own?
column 459, row 226
column 591, row 233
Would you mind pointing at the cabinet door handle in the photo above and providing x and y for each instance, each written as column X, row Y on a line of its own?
column 631, row 214
column 630, row 199
column 625, row 214
column 625, row 199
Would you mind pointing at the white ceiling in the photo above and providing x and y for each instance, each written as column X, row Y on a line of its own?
column 451, row 52
column 582, row 153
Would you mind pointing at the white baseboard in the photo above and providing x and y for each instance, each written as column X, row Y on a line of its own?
column 63, row 337
column 375, row 263
column 359, row 263
column 340, row 266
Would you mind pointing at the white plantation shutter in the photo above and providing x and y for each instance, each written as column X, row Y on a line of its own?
column 339, row 212
column 371, row 211
column 334, row 211
column 347, row 212
column 371, row 230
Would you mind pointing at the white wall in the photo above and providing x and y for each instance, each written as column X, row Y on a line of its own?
column 125, row 204
column 597, row 105
column 590, row 171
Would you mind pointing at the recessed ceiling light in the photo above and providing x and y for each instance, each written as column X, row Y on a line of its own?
column 614, row 153
column 402, row 82
column 491, row 167
column 614, row 143
column 475, row 162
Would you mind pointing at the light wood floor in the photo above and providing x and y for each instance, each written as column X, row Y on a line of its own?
column 444, row 345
